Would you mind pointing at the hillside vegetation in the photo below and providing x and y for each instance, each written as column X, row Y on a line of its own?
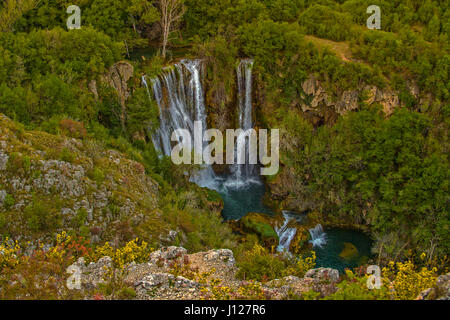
column 364, row 118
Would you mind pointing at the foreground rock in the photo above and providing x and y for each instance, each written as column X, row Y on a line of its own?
column 172, row 273
column 440, row 292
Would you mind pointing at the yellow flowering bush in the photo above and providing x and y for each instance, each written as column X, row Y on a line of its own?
column 9, row 254
column 58, row 251
column 304, row 264
column 405, row 282
column 219, row 292
column 135, row 250
column 251, row 290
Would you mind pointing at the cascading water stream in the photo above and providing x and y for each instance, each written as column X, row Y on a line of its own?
column 179, row 94
column 178, row 91
column 285, row 233
column 243, row 174
column 318, row 236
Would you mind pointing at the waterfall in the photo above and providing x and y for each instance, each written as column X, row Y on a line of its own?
column 178, row 91
column 286, row 234
column 243, row 174
column 318, row 236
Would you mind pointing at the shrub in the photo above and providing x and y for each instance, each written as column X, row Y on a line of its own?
column 97, row 175
column 67, row 156
column 126, row 293
column 17, row 163
column 73, row 128
column 355, row 288
column 9, row 201
column 258, row 264
column 135, row 250
column 405, row 281
column 41, row 216
column 80, row 219
column 9, row 251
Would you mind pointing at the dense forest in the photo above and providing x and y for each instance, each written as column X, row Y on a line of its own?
column 378, row 167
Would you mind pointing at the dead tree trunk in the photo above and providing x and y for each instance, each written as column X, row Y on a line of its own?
column 172, row 12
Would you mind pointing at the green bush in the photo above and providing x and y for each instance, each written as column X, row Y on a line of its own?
column 80, row 219
column 258, row 264
column 67, row 156
column 97, row 175
column 9, row 201
column 42, row 216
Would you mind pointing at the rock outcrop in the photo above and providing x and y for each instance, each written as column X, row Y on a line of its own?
column 440, row 292
column 117, row 78
column 84, row 186
column 161, row 279
column 345, row 101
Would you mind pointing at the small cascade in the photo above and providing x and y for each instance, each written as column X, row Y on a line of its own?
column 285, row 233
column 318, row 236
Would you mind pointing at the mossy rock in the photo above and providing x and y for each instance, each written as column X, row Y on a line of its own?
column 301, row 240
column 261, row 225
column 349, row 252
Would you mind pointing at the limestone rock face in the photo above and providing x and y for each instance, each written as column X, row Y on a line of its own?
column 387, row 98
column 343, row 102
column 323, row 274
column 59, row 175
column 3, row 160
column 443, row 287
column 93, row 88
column 117, row 78
column 440, row 292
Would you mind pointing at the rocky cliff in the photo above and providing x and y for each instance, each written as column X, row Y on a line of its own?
column 51, row 183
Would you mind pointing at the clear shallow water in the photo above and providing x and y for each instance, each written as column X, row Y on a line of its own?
column 328, row 256
column 240, row 201
column 248, row 198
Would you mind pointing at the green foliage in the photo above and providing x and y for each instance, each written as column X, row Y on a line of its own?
column 80, row 219
column 325, row 22
column 97, row 175
column 18, row 163
column 126, row 293
column 41, row 71
column 42, row 216
column 142, row 113
column 262, row 228
column 9, row 201
column 144, row 11
column 67, row 156
column 11, row 11
column 393, row 172
column 258, row 264
column 354, row 287
column 406, row 51
column 203, row 227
